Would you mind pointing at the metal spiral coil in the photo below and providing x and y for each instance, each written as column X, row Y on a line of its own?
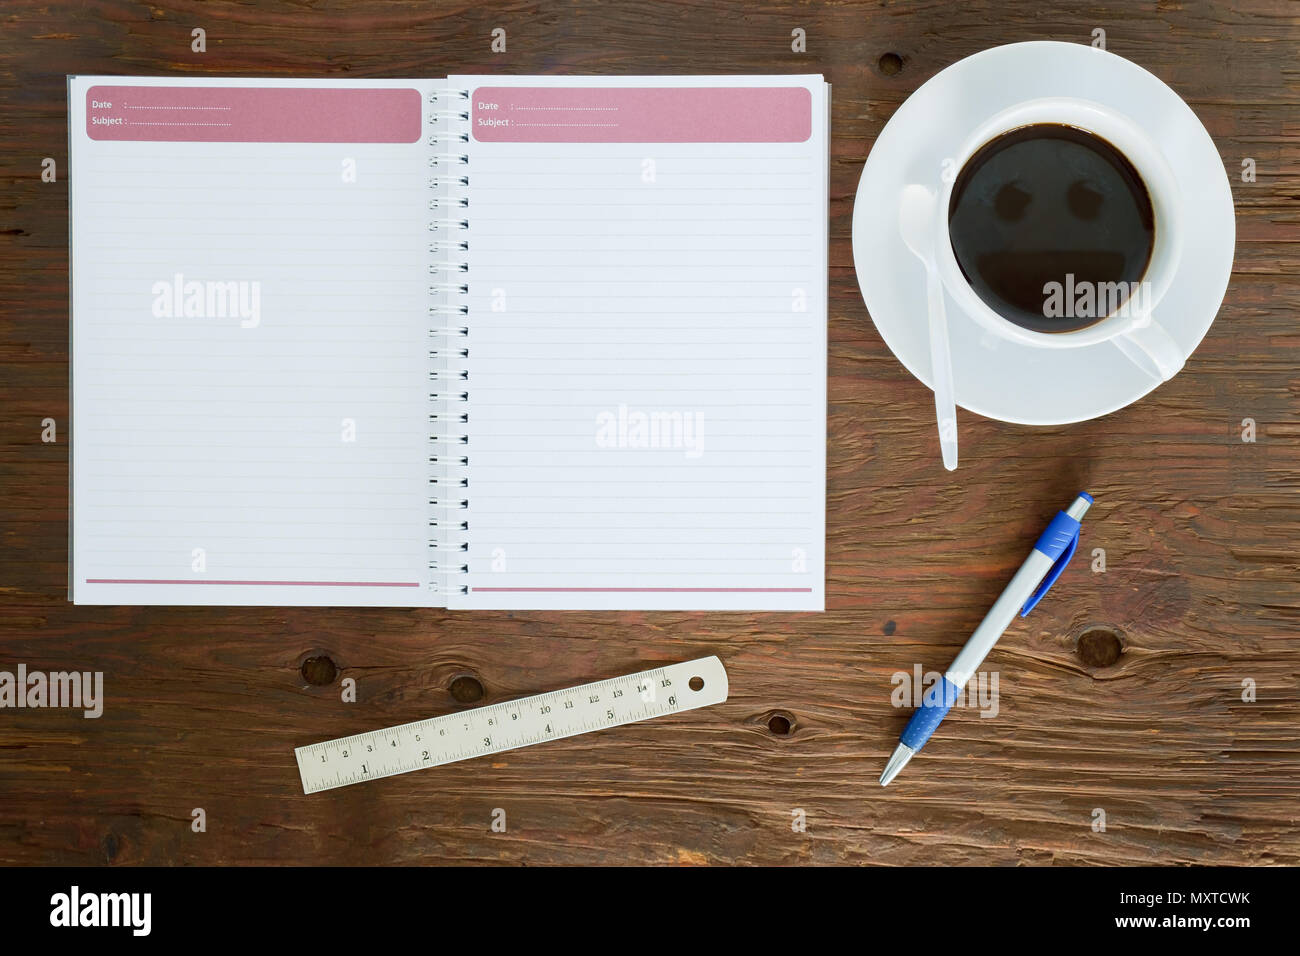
column 448, row 484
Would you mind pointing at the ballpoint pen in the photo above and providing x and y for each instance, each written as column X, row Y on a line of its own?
column 1051, row 552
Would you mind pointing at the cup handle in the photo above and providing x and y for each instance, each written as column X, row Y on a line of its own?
column 1152, row 349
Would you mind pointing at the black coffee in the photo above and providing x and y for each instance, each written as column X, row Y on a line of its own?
column 1052, row 226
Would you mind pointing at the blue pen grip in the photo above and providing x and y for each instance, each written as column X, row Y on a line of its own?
column 936, row 703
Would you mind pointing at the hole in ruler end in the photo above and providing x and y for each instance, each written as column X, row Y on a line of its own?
column 696, row 683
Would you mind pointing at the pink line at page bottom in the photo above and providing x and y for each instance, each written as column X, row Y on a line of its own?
column 286, row 584
column 654, row 590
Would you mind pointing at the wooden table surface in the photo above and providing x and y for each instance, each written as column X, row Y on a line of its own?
column 1123, row 693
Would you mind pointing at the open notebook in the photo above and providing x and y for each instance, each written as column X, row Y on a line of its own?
column 484, row 342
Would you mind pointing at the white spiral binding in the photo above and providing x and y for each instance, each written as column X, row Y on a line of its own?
column 448, row 118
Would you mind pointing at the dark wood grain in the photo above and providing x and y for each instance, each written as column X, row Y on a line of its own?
column 1200, row 529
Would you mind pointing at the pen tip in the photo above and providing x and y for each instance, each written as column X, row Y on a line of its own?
column 897, row 761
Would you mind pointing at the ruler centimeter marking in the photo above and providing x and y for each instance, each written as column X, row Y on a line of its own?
column 511, row 724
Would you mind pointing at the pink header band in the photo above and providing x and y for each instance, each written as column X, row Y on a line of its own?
column 238, row 114
column 548, row 114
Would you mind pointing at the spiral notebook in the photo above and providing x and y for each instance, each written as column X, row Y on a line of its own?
column 483, row 342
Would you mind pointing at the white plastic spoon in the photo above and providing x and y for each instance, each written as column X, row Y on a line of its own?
column 917, row 221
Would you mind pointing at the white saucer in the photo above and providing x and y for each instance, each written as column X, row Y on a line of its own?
column 993, row 376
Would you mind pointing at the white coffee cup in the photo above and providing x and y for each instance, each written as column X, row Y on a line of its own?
column 1133, row 326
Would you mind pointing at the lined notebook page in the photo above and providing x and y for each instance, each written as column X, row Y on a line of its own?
column 249, row 274
column 647, row 292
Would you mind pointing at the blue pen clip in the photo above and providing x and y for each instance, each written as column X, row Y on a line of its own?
column 1059, row 541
